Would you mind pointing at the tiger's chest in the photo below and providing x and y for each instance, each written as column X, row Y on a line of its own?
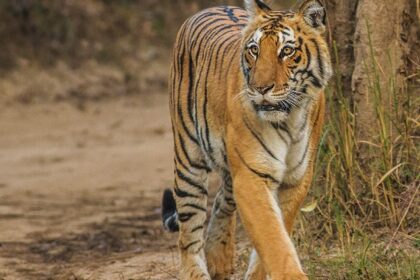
column 283, row 150
column 293, row 153
column 297, row 159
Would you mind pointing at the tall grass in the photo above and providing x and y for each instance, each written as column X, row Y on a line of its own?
column 368, row 188
column 366, row 179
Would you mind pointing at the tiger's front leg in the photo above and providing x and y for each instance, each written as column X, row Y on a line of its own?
column 290, row 200
column 263, row 221
column 191, row 201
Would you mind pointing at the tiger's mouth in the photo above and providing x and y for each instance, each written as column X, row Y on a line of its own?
column 282, row 106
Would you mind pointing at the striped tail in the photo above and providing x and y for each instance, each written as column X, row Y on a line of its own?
column 169, row 212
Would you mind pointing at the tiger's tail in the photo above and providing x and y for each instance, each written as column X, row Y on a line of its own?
column 169, row 212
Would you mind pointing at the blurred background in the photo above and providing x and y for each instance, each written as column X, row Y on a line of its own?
column 86, row 144
column 88, row 49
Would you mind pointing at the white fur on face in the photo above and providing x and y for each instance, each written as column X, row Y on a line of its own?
column 257, row 36
column 286, row 38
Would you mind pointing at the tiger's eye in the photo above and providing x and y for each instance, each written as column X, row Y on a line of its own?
column 254, row 49
column 287, row 51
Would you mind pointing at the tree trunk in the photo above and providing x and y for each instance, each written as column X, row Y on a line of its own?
column 386, row 29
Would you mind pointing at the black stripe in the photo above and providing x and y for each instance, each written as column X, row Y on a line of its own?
column 201, row 37
column 184, row 125
column 191, row 182
column 262, row 5
column 190, row 244
column 180, row 58
column 181, row 64
column 314, row 80
column 228, row 188
column 201, row 16
column 230, row 201
column 203, row 19
column 197, row 228
column 185, row 217
column 190, row 161
column 181, row 193
column 226, row 212
column 300, row 41
column 259, row 139
column 284, row 128
column 206, row 123
column 230, row 14
column 260, row 174
column 224, row 153
column 319, row 58
column 179, row 160
column 308, row 56
column 278, row 133
column 246, row 56
column 216, row 31
column 190, row 86
column 195, row 206
column 303, row 157
column 285, row 33
column 228, row 39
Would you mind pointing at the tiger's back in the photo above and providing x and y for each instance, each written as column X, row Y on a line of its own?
column 205, row 61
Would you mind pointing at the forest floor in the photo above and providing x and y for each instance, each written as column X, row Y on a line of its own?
column 80, row 190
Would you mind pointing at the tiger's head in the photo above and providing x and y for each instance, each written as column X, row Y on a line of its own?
column 285, row 59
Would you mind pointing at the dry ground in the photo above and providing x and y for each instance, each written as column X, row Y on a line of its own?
column 80, row 190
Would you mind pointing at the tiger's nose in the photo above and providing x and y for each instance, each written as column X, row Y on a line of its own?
column 264, row 89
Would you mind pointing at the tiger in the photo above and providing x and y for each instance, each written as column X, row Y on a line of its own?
column 247, row 103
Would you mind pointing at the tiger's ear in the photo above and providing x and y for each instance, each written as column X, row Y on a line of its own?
column 314, row 14
column 256, row 7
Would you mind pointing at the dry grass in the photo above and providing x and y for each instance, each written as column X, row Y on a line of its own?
column 366, row 224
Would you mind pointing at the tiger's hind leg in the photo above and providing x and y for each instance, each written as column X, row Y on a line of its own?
column 191, row 201
column 220, row 242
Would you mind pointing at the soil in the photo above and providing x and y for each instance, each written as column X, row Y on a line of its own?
column 80, row 190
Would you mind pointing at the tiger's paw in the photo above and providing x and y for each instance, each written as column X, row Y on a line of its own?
column 291, row 276
column 194, row 274
column 256, row 273
column 220, row 261
column 193, row 268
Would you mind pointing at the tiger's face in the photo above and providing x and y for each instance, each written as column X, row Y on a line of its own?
column 285, row 59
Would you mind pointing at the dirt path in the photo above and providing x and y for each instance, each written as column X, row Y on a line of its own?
column 80, row 190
